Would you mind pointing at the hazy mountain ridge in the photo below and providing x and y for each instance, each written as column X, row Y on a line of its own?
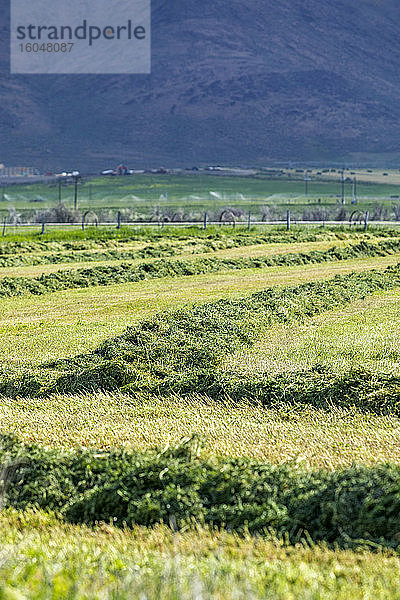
column 231, row 82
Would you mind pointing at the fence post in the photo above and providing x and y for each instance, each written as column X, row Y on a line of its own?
column 366, row 221
column 119, row 220
column 4, row 226
column 288, row 220
column 43, row 226
column 83, row 223
column 249, row 221
column 205, row 221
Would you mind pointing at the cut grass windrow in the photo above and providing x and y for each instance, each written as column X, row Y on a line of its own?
column 182, row 351
column 125, row 272
column 356, row 506
column 320, row 387
column 117, row 250
column 122, row 251
column 10, row 252
column 69, row 241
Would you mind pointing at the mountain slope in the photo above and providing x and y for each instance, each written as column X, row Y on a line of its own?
column 240, row 81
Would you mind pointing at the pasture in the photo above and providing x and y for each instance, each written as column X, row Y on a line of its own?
column 188, row 195
column 190, row 414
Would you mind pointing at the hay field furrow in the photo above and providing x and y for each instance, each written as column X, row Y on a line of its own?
column 103, row 275
column 65, row 323
column 181, row 351
column 308, row 435
column 240, row 252
column 259, row 388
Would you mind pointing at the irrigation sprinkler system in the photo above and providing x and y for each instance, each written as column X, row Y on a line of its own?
column 358, row 219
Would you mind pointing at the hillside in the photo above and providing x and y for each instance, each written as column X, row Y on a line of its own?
column 232, row 82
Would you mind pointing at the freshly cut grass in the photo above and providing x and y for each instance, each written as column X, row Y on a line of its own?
column 178, row 485
column 125, row 272
column 39, row 328
column 72, row 240
column 44, row 558
column 314, row 437
column 161, row 249
column 180, row 351
column 319, row 387
column 365, row 334
column 89, row 260
column 36, row 271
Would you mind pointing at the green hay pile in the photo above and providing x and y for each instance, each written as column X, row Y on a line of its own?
column 178, row 485
column 320, row 387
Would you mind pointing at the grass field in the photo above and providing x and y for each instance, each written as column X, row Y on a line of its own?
column 226, row 429
column 46, row 559
column 188, row 195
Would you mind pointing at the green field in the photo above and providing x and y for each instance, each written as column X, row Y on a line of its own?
column 187, row 196
column 193, row 414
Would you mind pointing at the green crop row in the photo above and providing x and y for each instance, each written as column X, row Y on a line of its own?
column 149, row 251
column 125, row 272
column 181, row 350
column 55, row 242
column 155, row 250
column 224, row 238
column 320, row 387
column 179, row 486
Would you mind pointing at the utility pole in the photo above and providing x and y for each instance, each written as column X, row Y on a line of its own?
column 355, row 190
column 342, row 182
column 59, row 191
column 306, row 181
column 76, row 177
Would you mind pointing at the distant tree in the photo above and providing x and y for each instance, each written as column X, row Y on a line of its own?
column 58, row 214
